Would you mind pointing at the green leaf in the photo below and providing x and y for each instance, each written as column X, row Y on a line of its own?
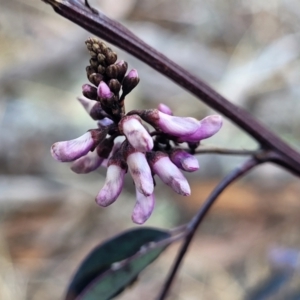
column 116, row 263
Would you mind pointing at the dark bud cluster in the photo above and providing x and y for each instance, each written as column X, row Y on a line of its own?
column 109, row 79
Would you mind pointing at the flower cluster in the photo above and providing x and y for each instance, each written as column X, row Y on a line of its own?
column 143, row 152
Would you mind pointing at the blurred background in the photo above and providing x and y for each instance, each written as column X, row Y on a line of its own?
column 248, row 246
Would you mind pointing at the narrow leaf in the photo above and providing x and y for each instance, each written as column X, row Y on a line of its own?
column 116, row 263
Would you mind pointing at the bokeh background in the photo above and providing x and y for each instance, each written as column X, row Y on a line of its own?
column 248, row 245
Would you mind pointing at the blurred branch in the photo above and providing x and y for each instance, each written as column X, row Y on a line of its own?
column 225, row 151
column 113, row 32
column 196, row 221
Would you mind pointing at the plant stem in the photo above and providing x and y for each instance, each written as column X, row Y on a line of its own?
column 196, row 221
column 224, row 151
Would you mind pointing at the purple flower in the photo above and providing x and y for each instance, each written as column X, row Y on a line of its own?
column 113, row 184
column 105, row 122
column 71, row 150
column 175, row 126
column 168, row 172
column 88, row 163
column 132, row 74
column 93, row 108
column 137, row 135
column 139, row 170
column 184, row 160
column 143, row 208
column 144, row 152
column 89, row 91
column 165, row 109
column 207, row 128
column 104, row 91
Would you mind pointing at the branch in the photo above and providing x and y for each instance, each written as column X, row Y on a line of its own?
column 196, row 221
column 225, row 151
column 115, row 33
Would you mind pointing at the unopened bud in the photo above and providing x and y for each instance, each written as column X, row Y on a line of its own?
column 101, row 69
column 123, row 66
column 95, row 78
column 101, row 58
column 89, row 70
column 168, row 172
column 105, row 148
column 104, row 91
column 130, row 81
column 112, row 71
column 89, row 91
column 111, row 57
column 114, row 86
column 94, row 63
column 93, row 54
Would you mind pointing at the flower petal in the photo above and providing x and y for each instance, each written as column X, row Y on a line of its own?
column 87, row 163
column 143, row 208
column 207, row 128
column 136, row 133
column 185, row 161
column 71, row 150
column 94, row 109
column 168, row 173
column 165, row 109
column 176, row 126
column 112, row 187
column 140, row 173
column 104, row 91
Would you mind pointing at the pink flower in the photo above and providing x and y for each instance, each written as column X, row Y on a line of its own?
column 184, row 160
column 89, row 91
column 207, row 128
column 93, row 108
column 88, row 163
column 139, row 170
column 137, row 135
column 165, row 109
column 71, row 150
column 104, row 91
column 168, row 172
column 143, row 208
column 175, row 126
column 113, row 184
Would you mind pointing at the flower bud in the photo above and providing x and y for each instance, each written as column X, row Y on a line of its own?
column 143, row 208
column 165, row 109
column 184, row 160
column 139, row 170
column 111, row 57
column 105, row 148
column 130, row 81
column 207, row 127
column 113, row 183
column 137, row 135
column 114, row 86
column 93, row 108
column 88, row 163
column 168, row 172
column 104, row 91
column 89, row 91
column 176, row 126
column 95, row 78
column 71, row 150
column 105, row 122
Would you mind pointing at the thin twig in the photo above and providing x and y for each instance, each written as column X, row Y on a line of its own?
column 224, row 151
column 115, row 33
column 195, row 222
